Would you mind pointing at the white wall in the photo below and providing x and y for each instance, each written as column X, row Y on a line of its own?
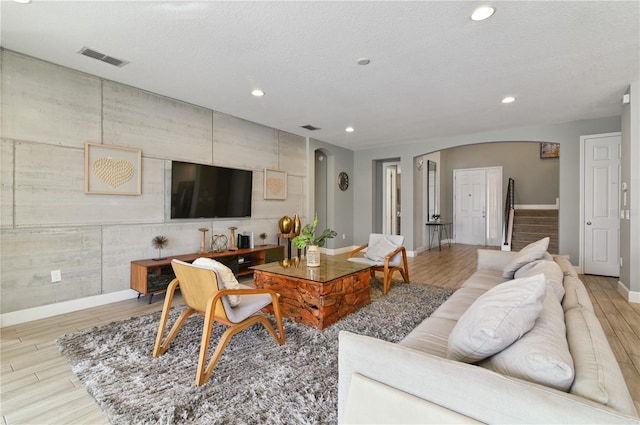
column 49, row 223
column 567, row 134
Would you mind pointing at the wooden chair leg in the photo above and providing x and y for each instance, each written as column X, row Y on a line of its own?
column 387, row 281
column 160, row 347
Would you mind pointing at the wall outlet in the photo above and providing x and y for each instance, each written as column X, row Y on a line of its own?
column 344, row 236
column 56, row 276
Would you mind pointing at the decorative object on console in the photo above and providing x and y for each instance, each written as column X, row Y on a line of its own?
column 296, row 225
column 158, row 243
column 263, row 237
column 275, row 184
column 307, row 238
column 233, row 246
column 285, row 224
column 219, row 243
column 435, row 218
column 203, row 240
column 112, row 170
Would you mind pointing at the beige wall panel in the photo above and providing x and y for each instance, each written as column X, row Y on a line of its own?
column 160, row 126
column 49, row 190
column 46, row 103
column 6, row 183
column 293, row 153
column 29, row 256
column 243, row 144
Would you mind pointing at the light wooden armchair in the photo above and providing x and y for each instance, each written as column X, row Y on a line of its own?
column 389, row 258
column 202, row 294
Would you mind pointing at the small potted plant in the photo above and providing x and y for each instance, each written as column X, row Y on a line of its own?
column 435, row 217
column 307, row 238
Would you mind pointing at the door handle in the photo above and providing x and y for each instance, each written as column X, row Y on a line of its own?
column 588, row 223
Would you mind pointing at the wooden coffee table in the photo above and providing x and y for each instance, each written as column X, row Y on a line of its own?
column 316, row 296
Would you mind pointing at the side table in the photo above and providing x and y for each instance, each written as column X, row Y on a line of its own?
column 439, row 227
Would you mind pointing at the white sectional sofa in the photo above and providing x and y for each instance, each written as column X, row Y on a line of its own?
column 559, row 371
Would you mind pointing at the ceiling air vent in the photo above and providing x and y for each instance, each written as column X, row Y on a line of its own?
column 102, row 57
column 310, row 127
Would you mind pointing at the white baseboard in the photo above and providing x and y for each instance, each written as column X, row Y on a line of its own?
column 50, row 310
column 630, row 296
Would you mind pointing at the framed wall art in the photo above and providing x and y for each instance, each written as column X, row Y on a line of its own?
column 275, row 184
column 112, row 170
column 549, row 150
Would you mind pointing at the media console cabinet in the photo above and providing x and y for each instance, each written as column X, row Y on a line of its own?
column 149, row 277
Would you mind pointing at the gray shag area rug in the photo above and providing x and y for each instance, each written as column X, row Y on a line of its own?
column 256, row 380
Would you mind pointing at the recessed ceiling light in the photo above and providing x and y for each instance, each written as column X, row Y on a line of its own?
column 257, row 93
column 364, row 61
column 349, row 129
column 509, row 99
column 22, row 1
column 482, row 13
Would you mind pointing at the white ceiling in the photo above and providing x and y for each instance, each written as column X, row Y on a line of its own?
column 433, row 71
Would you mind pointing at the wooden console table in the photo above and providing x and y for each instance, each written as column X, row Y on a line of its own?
column 149, row 277
column 316, row 296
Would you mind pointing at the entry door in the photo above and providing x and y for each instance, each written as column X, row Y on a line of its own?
column 470, row 206
column 601, row 205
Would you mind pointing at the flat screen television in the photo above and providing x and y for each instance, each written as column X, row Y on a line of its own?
column 207, row 191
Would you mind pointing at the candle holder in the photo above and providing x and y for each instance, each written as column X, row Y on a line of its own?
column 203, row 240
column 233, row 246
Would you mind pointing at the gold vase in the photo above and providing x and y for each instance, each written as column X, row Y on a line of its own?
column 285, row 224
column 296, row 225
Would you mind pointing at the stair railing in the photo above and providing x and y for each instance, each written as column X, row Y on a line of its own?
column 508, row 215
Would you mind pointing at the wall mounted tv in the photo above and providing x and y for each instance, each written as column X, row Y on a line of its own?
column 206, row 191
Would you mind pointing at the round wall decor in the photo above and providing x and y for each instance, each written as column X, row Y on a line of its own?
column 343, row 180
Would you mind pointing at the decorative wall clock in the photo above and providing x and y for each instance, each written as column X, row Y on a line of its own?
column 343, row 180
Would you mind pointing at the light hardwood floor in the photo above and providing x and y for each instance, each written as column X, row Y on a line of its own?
column 38, row 387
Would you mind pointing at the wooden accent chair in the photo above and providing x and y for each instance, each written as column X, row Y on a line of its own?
column 385, row 253
column 202, row 294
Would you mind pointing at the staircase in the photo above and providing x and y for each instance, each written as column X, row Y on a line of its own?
column 532, row 225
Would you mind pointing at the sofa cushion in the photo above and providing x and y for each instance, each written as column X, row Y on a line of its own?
column 430, row 336
column 380, row 249
column 497, row 318
column 542, row 354
column 229, row 280
column 484, row 279
column 458, row 303
column 533, row 251
column 598, row 376
column 552, row 272
column 576, row 295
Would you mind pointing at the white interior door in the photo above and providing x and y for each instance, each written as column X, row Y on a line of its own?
column 601, row 205
column 390, row 201
column 470, row 204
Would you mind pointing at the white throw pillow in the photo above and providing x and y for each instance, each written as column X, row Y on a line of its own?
column 496, row 319
column 229, row 280
column 533, row 251
column 380, row 250
column 542, row 354
column 551, row 271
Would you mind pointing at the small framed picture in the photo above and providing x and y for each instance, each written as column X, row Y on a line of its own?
column 549, row 150
column 275, row 184
column 112, row 170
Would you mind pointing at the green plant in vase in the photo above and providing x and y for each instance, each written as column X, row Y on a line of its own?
column 307, row 238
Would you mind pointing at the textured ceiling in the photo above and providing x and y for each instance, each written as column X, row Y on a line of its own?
column 433, row 71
